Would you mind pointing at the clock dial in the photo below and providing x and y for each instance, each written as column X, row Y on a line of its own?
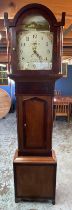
column 34, row 48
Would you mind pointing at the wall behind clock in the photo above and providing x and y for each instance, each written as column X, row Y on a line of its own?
column 64, row 85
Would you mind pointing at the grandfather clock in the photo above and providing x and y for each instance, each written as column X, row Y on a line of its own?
column 34, row 50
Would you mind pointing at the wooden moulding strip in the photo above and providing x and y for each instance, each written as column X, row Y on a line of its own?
column 35, row 159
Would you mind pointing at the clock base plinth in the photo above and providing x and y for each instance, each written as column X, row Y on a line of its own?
column 34, row 178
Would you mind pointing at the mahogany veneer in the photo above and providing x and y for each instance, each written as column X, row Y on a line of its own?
column 35, row 177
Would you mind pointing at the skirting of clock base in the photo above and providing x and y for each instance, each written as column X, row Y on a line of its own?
column 34, row 178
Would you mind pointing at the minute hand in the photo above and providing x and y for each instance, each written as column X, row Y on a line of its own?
column 37, row 54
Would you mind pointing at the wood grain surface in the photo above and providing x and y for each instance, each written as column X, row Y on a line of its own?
column 5, row 103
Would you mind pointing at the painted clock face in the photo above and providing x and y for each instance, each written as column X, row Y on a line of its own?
column 34, row 45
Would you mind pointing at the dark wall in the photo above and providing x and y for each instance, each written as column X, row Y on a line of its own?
column 65, row 84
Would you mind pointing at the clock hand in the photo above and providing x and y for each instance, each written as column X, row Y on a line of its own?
column 37, row 54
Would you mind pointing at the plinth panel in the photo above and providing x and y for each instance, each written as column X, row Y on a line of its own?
column 35, row 178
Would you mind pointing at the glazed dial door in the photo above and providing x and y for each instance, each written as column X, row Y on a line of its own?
column 34, row 45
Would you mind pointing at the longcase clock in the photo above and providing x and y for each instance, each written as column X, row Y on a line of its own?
column 35, row 47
